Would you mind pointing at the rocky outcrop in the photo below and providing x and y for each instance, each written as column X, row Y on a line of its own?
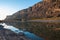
column 43, row 9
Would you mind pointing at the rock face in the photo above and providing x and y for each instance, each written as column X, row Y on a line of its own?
column 6, row 34
column 43, row 9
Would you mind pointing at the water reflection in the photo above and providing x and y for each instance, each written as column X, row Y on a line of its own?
column 26, row 33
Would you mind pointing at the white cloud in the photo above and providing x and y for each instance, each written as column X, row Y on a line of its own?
column 4, row 11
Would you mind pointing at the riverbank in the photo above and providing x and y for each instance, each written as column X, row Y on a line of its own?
column 6, row 34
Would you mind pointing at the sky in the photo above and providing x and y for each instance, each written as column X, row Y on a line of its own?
column 9, row 7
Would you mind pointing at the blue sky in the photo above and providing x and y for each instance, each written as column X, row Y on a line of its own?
column 8, row 7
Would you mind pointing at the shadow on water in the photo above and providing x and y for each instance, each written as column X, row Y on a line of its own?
column 16, row 30
column 46, row 30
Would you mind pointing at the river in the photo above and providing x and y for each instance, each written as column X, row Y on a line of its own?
column 26, row 33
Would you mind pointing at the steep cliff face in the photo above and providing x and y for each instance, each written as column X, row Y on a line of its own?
column 43, row 9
